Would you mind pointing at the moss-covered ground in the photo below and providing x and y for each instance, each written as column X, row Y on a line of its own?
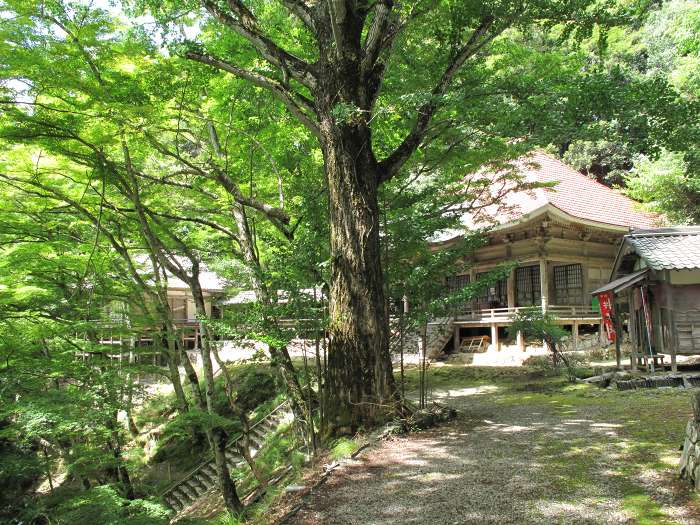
column 588, row 443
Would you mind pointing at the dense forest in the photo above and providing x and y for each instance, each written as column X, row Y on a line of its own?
column 305, row 152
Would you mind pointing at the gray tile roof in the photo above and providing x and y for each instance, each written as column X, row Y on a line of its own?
column 668, row 248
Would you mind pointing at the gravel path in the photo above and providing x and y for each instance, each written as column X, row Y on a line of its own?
column 496, row 464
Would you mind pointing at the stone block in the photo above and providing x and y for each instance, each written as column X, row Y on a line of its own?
column 693, row 433
column 690, row 466
column 695, row 401
column 683, row 464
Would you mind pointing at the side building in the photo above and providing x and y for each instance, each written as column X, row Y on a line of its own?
column 564, row 241
column 655, row 293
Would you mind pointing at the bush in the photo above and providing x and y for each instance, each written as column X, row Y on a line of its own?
column 183, row 438
column 343, row 448
column 600, row 353
column 542, row 364
column 105, row 506
column 576, row 365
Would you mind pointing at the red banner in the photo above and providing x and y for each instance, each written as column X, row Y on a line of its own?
column 605, row 300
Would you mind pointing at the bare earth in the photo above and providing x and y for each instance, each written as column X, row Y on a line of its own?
column 506, row 463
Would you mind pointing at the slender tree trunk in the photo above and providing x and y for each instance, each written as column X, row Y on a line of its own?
column 321, row 386
column 424, row 351
column 279, row 356
column 282, row 360
column 120, row 472
column 174, row 373
column 217, row 434
column 47, row 463
column 244, row 444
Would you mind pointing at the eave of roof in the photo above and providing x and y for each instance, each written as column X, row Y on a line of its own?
column 622, row 283
column 549, row 209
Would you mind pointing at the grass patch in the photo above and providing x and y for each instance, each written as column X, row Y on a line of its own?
column 645, row 511
column 343, row 448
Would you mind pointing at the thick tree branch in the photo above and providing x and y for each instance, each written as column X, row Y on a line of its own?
column 245, row 24
column 390, row 166
column 301, row 11
column 295, row 103
column 376, row 34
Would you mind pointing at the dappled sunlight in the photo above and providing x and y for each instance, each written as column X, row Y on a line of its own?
column 588, row 510
column 521, row 451
column 465, row 392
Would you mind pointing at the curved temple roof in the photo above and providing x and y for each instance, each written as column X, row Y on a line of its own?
column 574, row 194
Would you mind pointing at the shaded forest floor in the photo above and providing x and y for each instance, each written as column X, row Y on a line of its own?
column 525, row 449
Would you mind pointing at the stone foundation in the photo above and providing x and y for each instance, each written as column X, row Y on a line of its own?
column 690, row 459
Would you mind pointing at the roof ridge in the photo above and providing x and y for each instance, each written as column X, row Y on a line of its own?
column 676, row 231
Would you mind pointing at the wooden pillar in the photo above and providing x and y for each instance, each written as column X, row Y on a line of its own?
column 673, row 343
column 494, row 336
column 455, row 340
column 544, row 285
column 472, row 279
column 510, row 289
column 574, row 335
column 633, row 330
column 618, row 333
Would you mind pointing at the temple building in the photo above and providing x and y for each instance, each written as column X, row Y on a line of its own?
column 563, row 239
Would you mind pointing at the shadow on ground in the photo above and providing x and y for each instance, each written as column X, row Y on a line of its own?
column 516, row 458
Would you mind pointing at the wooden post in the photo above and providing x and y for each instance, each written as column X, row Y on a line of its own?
column 520, row 340
column 494, row 336
column 544, row 285
column 455, row 340
column 618, row 333
column 510, row 289
column 574, row 335
column 674, row 341
column 633, row 331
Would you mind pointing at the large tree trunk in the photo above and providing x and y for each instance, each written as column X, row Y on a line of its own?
column 360, row 379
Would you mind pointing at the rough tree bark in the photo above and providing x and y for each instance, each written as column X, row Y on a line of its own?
column 360, row 379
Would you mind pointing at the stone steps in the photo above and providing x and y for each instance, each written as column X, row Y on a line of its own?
column 204, row 478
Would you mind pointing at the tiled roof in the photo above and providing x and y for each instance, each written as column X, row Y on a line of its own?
column 668, row 248
column 574, row 193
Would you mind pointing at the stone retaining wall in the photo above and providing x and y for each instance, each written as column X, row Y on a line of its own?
column 690, row 459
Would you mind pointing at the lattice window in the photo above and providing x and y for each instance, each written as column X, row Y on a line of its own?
column 494, row 295
column 456, row 282
column 527, row 286
column 568, row 284
column 178, row 306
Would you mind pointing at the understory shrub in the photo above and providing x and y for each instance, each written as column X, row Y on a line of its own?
column 101, row 505
column 576, row 365
column 600, row 353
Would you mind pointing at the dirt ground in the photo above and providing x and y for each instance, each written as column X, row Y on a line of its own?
column 523, row 451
